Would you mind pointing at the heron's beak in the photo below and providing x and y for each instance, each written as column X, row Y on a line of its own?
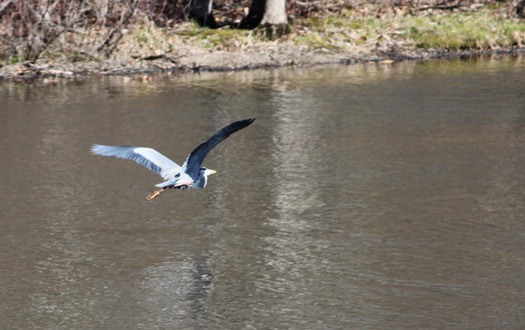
column 210, row 171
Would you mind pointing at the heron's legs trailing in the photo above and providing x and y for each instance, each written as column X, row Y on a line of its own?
column 155, row 193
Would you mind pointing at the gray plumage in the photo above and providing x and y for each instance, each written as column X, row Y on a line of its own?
column 190, row 175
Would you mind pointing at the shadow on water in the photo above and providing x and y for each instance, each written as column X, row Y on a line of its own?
column 364, row 197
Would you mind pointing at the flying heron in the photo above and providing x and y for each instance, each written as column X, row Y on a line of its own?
column 190, row 175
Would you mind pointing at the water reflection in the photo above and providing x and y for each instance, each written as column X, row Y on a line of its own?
column 362, row 197
column 177, row 291
column 293, row 194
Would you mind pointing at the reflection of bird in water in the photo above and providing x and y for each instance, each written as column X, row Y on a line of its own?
column 190, row 175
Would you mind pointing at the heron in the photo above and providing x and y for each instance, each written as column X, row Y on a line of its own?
column 190, row 175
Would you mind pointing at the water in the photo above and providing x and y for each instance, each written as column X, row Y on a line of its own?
column 362, row 197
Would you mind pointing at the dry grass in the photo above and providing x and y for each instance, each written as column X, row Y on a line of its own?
column 483, row 29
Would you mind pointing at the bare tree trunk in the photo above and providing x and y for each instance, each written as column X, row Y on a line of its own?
column 255, row 15
column 201, row 13
column 275, row 12
column 520, row 9
column 270, row 14
column 275, row 20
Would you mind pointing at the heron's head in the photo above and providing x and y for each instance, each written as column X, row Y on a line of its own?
column 207, row 171
column 202, row 180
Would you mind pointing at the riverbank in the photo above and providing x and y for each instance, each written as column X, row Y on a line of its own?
column 346, row 38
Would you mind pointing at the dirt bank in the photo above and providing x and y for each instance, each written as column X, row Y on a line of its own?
column 194, row 60
column 191, row 59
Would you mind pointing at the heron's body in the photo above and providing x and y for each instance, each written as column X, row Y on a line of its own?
column 190, row 175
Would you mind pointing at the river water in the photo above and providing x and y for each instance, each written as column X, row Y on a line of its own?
column 362, row 197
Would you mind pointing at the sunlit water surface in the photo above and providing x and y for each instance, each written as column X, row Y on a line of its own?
column 362, row 197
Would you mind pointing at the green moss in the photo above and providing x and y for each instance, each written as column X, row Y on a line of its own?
column 486, row 28
column 211, row 38
column 314, row 41
column 141, row 36
column 478, row 30
column 220, row 36
column 80, row 57
column 11, row 59
column 482, row 29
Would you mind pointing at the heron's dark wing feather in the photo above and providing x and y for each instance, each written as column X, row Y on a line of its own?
column 194, row 160
column 147, row 157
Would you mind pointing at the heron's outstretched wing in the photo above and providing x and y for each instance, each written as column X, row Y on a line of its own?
column 147, row 157
column 194, row 160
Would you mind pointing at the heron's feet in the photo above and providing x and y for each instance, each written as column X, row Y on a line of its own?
column 154, row 193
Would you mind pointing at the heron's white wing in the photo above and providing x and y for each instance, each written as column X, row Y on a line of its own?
column 147, row 157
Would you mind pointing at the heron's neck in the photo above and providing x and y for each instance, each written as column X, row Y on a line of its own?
column 201, row 181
